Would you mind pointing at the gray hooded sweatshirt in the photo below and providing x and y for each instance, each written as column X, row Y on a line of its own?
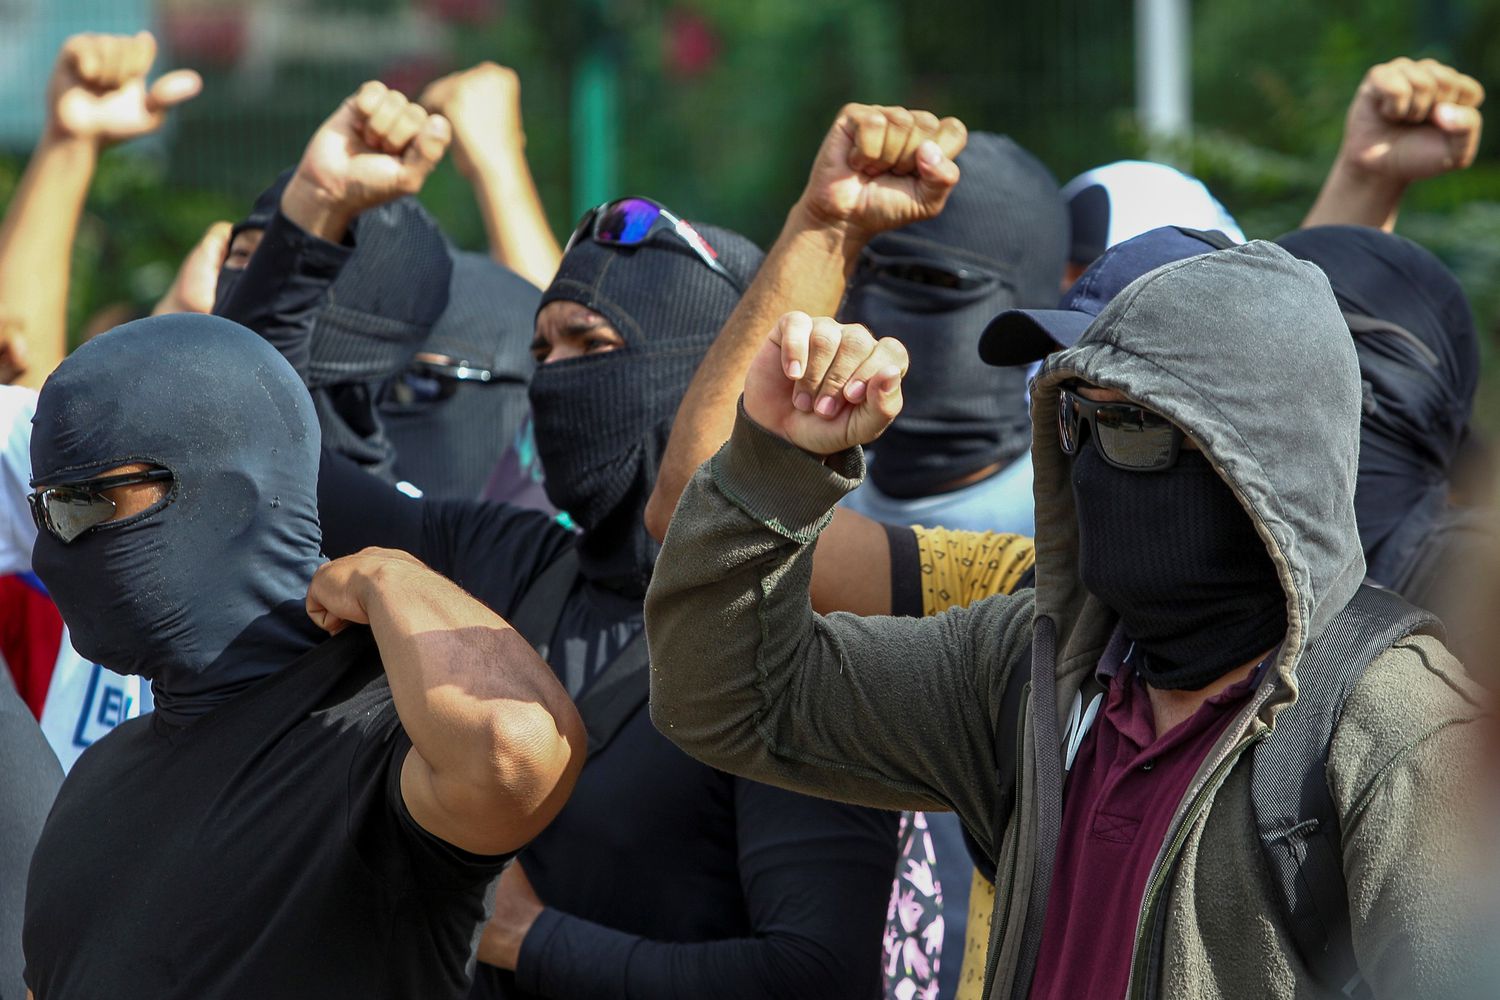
column 1246, row 350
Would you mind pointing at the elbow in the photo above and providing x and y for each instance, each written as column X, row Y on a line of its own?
column 535, row 755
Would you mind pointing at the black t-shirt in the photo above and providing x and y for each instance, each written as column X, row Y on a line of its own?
column 263, row 851
column 663, row 877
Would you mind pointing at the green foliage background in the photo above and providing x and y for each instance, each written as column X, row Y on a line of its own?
column 730, row 144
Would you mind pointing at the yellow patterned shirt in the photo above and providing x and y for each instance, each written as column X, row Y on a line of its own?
column 957, row 568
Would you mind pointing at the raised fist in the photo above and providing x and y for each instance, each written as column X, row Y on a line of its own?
column 98, row 89
column 375, row 148
column 824, row 385
column 1411, row 120
column 197, row 280
column 881, row 168
column 484, row 106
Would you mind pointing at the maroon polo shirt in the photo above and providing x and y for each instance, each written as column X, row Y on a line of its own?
column 1123, row 789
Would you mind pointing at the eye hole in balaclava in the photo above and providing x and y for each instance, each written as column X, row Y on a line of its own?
column 1000, row 243
column 602, row 420
column 202, row 592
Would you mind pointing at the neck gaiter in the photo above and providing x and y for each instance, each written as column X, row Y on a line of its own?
column 1176, row 556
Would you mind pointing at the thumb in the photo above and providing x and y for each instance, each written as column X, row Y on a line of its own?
column 936, row 175
column 424, row 151
column 1456, row 118
column 173, row 89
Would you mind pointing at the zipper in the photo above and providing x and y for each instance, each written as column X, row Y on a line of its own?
column 1142, row 956
column 1015, row 852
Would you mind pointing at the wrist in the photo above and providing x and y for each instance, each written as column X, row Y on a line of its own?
column 63, row 148
column 837, row 237
column 314, row 210
column 1348, row 174
column 493, row 162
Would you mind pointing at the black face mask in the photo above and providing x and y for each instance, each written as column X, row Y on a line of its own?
column 450, row 432
column 1176, row 556
column 602, row 420
column 960, row 415
column 203, row 592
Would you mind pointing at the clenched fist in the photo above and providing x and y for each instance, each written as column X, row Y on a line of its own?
column 98, row 89
column 1411, row 120
column 375, row 148
column 880, row 168
column 341, row 590
column 484, row 106
column 823, row 385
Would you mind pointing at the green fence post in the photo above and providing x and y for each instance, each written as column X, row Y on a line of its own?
column 595, row 117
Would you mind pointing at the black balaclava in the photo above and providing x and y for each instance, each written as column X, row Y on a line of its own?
column 380, row 310
column 602, row 421
column 261, row 213
column 202, row 593
column 450, row 434
column 1005, row 221
column 1414, row 335
column 1175, row 555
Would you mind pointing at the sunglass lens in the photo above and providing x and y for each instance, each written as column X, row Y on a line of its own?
column 626, row 222
column 1133, row 437
column 69, row 513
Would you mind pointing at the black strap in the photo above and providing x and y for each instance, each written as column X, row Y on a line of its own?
column 1294, row 809
column 541, row 607
column 616, row 694
column 623, row 686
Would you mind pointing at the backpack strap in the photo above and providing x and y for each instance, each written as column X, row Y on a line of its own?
column 541, row 606
column 1295, row 815
column 623, row 686
column 616, row 694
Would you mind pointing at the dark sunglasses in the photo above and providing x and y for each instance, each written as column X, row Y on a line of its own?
column 629, row 222
column 1126, row 436
column 69, row 511
column 917, row 271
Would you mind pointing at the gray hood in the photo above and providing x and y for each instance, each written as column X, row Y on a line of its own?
column 1244, row 349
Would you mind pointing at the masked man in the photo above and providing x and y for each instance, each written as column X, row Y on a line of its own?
column 1196, row 537
column 305, row 817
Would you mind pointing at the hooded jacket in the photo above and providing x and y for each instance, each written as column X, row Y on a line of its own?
column 849, row 707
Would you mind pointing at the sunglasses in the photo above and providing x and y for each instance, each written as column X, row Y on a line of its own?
column 916, row 271
column 1126, row 436
column 69, row 511
column 629, row 222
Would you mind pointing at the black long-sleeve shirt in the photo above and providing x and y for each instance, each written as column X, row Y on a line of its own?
column 662, row 877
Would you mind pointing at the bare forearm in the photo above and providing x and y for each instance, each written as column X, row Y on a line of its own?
column 482, row 710
column 36, row 249
column 514, row 221
column 806, row 269
column 1354, row 197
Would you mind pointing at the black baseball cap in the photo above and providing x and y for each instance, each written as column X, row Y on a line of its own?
column 1021, row 336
